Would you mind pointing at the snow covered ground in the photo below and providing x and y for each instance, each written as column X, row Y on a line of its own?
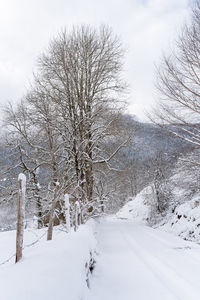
column 49, row 270
column 138, row 262
column 133, row 261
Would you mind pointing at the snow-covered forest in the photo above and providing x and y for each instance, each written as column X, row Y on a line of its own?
column 96, row 203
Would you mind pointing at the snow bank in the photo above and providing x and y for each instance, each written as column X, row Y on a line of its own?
column 50, row 270
column 139, row 208
column 185, row 221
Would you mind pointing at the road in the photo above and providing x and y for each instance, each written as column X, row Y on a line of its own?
column 136, row 262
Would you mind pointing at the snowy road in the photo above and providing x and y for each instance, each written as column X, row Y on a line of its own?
column 136, row 262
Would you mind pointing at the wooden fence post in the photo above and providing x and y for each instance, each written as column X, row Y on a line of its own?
column 20, row 215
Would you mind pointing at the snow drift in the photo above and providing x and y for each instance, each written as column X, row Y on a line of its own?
column 49, row 270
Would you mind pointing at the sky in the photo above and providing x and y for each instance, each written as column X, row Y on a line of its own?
column 147, row 28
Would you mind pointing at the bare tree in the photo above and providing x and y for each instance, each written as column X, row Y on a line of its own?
column 38, row 149
column 179, row 84
column 80, row 74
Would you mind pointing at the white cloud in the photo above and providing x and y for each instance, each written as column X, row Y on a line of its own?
column 146, row 27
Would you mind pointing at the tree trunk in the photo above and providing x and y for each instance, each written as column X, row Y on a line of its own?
column 38, row 201
column 77, row 215
column 52, row 213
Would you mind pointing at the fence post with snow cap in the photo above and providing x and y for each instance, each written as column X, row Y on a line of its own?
column 20, row 215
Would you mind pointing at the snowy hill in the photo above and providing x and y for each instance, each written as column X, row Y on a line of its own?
column 148, row 139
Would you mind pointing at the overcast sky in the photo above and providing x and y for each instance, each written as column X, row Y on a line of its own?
column 146, row 27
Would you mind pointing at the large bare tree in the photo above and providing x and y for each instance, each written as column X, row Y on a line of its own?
column 80, row 74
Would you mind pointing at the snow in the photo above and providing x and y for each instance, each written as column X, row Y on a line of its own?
column 139, row 262
column 134, row 261
column 22, row 177
column 49, row 270
column 185, row 221
column 139, row 208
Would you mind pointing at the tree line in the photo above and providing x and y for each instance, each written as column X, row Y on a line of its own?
column 69, row 135
column 63, row 126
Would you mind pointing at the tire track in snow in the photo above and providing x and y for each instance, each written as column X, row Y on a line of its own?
column 119, row 274
column 166, row 275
